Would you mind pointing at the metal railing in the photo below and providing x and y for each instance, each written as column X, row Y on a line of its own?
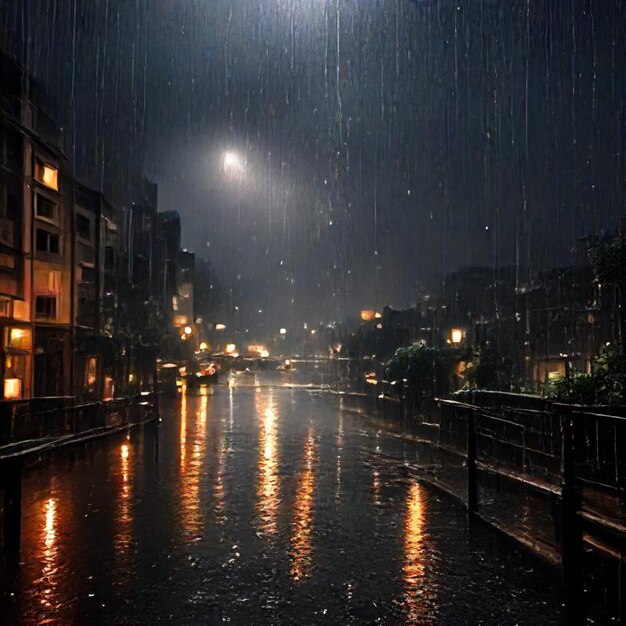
column 552, row 477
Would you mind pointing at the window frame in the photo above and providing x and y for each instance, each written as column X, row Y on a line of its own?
column 44, row 218
column 82, row 216
column 39, row 173
column 49, row 234
column 52, row 311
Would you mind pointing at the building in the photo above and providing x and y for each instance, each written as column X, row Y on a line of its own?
column 16, row 330
column 88, row 291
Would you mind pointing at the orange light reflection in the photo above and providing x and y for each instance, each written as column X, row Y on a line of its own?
column 301, row 539
column 413, row 569
column 124, row 515
column 183, row 427
column 339, row 451
column 268, row 488
column 191, row 469
column 49, row 572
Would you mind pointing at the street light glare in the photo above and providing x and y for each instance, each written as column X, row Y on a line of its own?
column 232, row 162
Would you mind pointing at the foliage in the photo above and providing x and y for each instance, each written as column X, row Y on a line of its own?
column 608, row 259
column 604, row 385
column 418, row 370
column 489, row 370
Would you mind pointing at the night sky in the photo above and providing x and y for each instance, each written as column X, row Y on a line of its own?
column 385, row 143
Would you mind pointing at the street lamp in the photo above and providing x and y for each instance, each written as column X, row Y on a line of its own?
column 456, row 336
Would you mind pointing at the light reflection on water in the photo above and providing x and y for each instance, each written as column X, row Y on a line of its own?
column 302, row 529
column 413, row 569
column 124, row 516
column 192, row 458
column 50, row 554
column 340, row 436
column 220, row 494
column 183, row 428
column 376, row 487
column 268, row 488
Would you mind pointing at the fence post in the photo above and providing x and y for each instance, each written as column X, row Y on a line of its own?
column 12, row 521
column 155, row 392
column 472, row 487
column 570, row 524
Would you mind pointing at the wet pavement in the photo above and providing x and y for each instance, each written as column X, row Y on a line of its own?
column 259, row 505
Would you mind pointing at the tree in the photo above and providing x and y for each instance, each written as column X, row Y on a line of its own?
column 489, row 370
column 419, row 371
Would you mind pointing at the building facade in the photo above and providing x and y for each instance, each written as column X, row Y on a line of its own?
column 88, row 290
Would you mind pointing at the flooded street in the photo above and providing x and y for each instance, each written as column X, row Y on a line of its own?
column 259, row 505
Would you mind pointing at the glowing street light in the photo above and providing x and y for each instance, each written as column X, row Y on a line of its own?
column 456, row 335
column 283, row 331
column 232, row 163
column 220, row 327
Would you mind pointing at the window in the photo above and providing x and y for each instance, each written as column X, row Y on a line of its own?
column 9, row 194
column 109, row 388
column 45, row 307
column 13, row 152
column 47, row 175
column 10, row 150
column 7, row 262
column 14, row 374
column 83, row 227
column 46, row 209
column 47, row 242
column 12, row 388
column 109, row 258
column 18, row 338
column 88, row 275
column 85, row 253
column 91, row 373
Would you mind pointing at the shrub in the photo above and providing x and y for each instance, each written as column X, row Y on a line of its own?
column 418, row 371
column 604, row 385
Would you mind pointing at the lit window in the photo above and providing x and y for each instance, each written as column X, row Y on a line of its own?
column 47, row 175
column 108, row 388
column 12, row 388
column 18, row 338
column 21, row 310
column 91, row 373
